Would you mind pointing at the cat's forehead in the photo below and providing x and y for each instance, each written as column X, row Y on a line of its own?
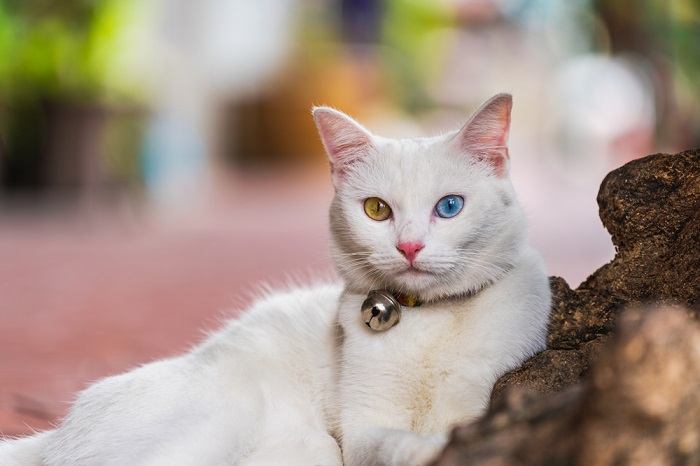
column 411, row 155
column 412, row 168
column 420, row 157
column 414, row 147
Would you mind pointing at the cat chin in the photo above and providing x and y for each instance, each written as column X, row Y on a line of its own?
column 424, row 284
column 417, row 280
column 414, row 281
column 431, row 286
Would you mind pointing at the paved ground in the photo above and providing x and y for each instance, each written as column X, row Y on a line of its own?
column 84, row 296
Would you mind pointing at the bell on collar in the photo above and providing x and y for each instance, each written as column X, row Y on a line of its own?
column 380, row 311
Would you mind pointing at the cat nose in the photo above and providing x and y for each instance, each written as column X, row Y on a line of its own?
column 409, row 249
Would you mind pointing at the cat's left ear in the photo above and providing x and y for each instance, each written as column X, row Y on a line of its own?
column 345, row 140
column 485, row 136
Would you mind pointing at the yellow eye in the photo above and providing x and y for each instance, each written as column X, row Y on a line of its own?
column 377, row 209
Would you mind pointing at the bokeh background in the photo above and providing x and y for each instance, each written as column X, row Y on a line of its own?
column 158, row 160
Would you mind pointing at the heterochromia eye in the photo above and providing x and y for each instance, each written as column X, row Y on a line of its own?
column 377, row 209
column 449, row 206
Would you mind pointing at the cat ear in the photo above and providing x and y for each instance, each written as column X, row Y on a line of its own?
column 344, row 139
column 485, row 135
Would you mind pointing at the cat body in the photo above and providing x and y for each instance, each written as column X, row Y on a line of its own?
column 254, row 393
column 485, row 291
column 301, row 374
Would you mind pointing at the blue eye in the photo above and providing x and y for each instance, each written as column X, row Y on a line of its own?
column 449, row 206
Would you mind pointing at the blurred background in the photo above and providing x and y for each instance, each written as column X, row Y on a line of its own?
column 158, row 160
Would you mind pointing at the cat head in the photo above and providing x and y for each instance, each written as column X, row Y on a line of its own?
column 431, row 216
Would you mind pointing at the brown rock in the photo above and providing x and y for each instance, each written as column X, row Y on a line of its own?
column 551, row 370
column 643, row 402
column 640, row 406
column 651, row 207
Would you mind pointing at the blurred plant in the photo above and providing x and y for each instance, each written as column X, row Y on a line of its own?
column 667, row 34
column 61, row 74
column 685, row 44
column 413, row 49
column 63, row 49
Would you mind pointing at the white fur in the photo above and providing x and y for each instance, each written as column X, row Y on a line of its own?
column 254, row 393
column 283, row 383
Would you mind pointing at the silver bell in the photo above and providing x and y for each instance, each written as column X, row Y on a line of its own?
column 380, row 311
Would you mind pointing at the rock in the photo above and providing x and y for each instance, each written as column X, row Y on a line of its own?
column 641, row 405
column 651, row 207
column 640, row 402
column 551, row 370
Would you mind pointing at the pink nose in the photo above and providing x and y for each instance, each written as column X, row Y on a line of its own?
column 409, row 249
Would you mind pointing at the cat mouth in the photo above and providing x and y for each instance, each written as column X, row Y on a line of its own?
column 413, row 270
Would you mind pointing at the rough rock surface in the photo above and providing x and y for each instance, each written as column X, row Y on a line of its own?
column 641, row 405
column 542, row 413
column 651, row 207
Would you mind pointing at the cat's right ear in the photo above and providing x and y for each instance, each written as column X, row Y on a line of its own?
column 345, row 140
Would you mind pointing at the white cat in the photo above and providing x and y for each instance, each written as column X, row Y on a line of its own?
column 432, row 221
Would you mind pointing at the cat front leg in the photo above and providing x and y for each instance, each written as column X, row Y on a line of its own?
column 381, row 446
column 298, row 448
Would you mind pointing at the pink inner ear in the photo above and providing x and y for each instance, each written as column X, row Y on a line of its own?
column 491, row 130
column 344, row 139
column 485, row 136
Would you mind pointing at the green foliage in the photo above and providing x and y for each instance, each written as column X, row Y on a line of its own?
column 414, row 47
column 685, row 36
column 61, row 50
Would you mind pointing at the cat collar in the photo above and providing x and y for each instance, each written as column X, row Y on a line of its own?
column 382, row 309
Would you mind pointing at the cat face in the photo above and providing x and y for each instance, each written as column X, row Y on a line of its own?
column 431, row 216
